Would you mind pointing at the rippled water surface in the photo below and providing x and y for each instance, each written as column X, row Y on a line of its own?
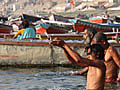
column 44, row 79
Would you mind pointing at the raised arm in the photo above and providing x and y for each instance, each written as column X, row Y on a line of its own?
column 73, row 56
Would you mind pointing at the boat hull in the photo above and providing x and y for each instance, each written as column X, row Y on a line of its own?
column 32, row 53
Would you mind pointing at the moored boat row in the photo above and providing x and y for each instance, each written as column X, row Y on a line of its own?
column 38, row 51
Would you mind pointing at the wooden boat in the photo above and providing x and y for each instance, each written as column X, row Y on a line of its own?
column 5, row 31
column 32, row 18
column 35, row 53
column 30, row 52
column 50, row 30
column 109, row 29
column 98, row 19
column 117, row 19
column 3, row 19
column 53, row 29
column 54, row 17
column 61, row 36
column 5, row 26
column 59, row 24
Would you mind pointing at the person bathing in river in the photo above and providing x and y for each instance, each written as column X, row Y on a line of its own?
column 112, row 58
column 88, row 35
column 94, row 62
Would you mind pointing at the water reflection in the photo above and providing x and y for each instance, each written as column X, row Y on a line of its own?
column 112, row 86
column 56, row 78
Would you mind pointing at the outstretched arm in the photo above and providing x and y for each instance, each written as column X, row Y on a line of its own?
column 73, row 56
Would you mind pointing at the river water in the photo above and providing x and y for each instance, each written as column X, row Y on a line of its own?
column 56, row 78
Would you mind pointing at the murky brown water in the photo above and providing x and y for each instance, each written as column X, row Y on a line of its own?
column 44, row 79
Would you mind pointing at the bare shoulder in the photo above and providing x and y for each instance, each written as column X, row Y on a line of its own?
column 113, row 52
column 111, row 49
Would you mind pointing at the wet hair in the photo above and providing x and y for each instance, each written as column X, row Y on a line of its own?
column 92, row 31
column 97, row 50
column 100, row 36
column 25, row 23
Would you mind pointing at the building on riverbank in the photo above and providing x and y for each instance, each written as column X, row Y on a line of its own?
column 17, row 7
